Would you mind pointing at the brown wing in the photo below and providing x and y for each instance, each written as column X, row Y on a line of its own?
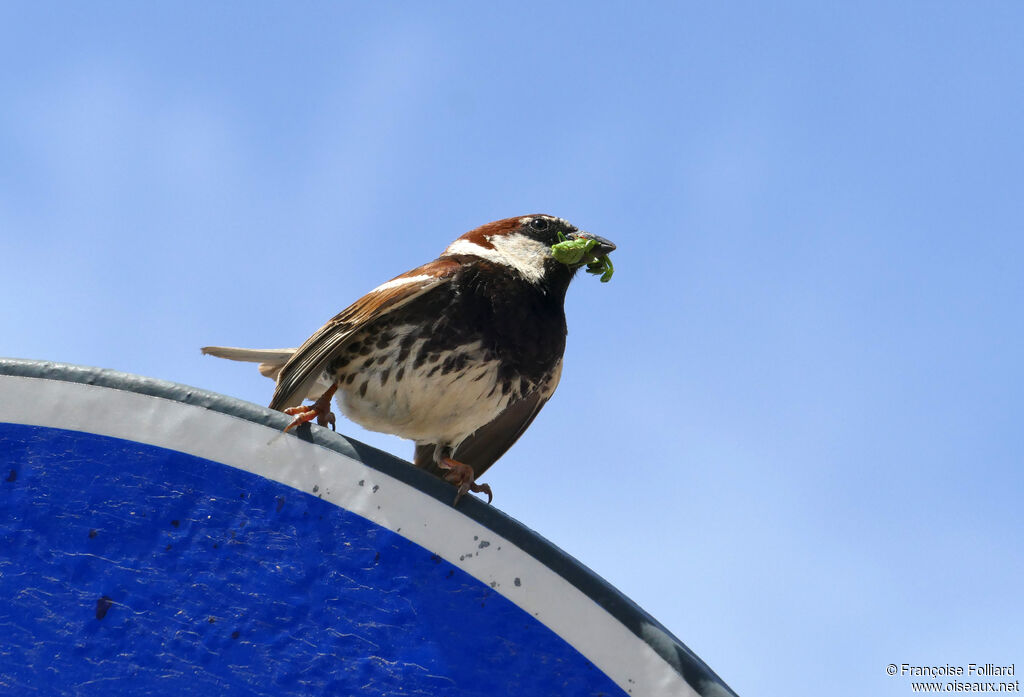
column 300, row 373
column 489, row 442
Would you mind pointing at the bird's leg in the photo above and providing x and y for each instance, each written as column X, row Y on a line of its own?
column 462, row 475
column 319, row 410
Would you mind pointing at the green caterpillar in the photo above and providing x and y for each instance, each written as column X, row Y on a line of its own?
column 571, row 252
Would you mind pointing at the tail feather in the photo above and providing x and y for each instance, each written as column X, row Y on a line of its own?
column 250, row 355
column 271, row 361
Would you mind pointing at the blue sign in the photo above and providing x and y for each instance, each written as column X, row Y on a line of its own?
column 158, row 540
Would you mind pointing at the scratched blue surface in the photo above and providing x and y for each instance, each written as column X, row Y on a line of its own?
column 131, row 569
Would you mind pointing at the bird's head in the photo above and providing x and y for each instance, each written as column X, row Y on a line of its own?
column 537, row 247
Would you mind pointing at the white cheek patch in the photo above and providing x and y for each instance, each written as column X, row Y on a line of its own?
column 525, row 255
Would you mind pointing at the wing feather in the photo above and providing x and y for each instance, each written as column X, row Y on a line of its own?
column 300, row 373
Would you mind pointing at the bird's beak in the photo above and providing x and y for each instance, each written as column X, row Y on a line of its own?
column 603, row 246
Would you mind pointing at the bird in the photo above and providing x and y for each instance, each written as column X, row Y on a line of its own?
column 458, row 355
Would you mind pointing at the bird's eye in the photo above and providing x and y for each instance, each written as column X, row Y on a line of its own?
column 539, row 224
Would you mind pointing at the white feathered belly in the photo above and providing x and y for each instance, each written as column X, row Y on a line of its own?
column 425, row 404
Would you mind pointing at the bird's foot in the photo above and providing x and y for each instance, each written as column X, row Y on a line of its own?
column 462, row 476
column 319, row 410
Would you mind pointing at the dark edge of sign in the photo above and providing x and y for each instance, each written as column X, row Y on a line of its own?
column 697, row 673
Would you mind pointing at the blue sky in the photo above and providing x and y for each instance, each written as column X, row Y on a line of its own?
column 789, row 428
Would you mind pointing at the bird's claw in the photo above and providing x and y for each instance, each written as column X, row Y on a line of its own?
column 306, row 413
column 462, row 476
column 319, row 410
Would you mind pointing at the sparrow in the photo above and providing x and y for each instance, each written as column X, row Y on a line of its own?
column 458, row 355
